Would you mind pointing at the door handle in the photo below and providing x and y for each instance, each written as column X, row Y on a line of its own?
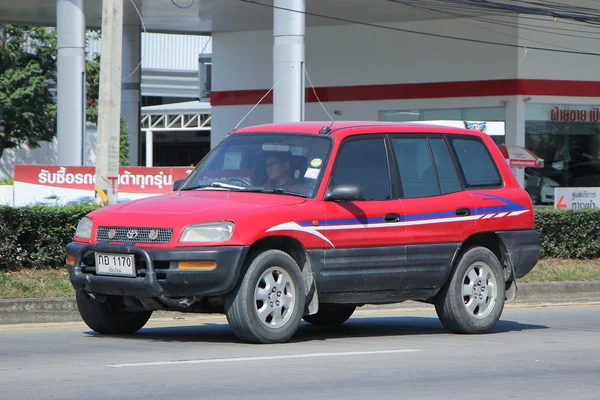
column 463, row 212
column 392, row 217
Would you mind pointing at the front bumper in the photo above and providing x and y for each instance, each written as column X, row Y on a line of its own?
column 156, row 271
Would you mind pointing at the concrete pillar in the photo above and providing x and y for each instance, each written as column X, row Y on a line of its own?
column 131, row 96
column 149, row 148
column 288, row 61
column 514, row 129
column 70, row 77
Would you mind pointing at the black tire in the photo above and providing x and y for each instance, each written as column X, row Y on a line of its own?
column 470, row 311
column 331, row 314
column 107, row 318
column 242, row 306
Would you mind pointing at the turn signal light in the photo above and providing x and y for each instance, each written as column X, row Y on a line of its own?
column 70, row 260
column 197, row 265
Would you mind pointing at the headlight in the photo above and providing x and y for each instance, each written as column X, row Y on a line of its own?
column 207, row 232
column 84, row 228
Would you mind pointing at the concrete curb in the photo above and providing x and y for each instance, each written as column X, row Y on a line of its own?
column 20, row 311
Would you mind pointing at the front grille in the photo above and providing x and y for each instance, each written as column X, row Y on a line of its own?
column 136, row 235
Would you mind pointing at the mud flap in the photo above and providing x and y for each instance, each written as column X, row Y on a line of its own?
column 511, row 290
column 509, row 273
column 312, row 296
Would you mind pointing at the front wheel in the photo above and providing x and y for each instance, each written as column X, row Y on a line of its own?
column 473, row 300
column 267, row 305
column 110, row 317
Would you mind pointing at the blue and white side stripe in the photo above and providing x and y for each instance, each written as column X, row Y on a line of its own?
column 509, row 209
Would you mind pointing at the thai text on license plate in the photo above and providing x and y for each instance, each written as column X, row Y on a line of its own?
column 115, row 264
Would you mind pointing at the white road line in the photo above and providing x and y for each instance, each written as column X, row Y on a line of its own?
column 282, row 357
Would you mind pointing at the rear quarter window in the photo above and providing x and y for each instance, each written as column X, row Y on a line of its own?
column 476, row 163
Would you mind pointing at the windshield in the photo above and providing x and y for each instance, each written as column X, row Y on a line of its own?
column 281, row 163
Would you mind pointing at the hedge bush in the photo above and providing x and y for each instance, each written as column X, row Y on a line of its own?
column 568, row 233
column 36, row 236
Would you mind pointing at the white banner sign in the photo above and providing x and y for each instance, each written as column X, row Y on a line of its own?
column 576, row 198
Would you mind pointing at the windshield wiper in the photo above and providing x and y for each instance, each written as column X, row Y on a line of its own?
column 219, row 185
column 276, row 191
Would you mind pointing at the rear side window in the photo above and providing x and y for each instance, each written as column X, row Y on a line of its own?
column 364, row 163
column 446, row 170
column 416, row 167
column 476, row 163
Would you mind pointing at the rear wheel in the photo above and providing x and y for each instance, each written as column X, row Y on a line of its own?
column 110, row 316
column 267, row 304
column 331, row 314
column 473, row 300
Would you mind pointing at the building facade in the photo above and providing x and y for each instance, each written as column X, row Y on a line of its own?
column 548, row 101
column 531, row 70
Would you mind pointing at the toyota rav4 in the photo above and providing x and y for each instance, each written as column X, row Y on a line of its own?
column 285, row 222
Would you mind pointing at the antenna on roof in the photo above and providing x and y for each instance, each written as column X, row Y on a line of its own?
column 325, row 130
column 262, row 98
column 322, row 106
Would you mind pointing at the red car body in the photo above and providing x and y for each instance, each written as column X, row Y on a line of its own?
column 359, row 252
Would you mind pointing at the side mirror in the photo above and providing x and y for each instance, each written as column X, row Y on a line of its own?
column 177, row 184
column 344, row 193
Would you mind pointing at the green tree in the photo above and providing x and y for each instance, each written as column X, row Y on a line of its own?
column 93, row 93
column 27, row 75
column 123, row 144
column 27, row 71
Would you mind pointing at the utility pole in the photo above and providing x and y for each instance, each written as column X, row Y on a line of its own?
column 109, row 107
column 70, row 79
column 288, row 60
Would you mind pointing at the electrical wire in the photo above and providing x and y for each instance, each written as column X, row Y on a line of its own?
column 499, row 8
column 486, row 28
column 548, row 8
column 206, row 45
column 555, row 20
column 316, row 95
column 421, row 4
column 558, row 10
column 474, row 25
column 262, row 98
column 533, row 28
column 146, row 31
column 184, row 7
column 142, row 50
column 430, row 34
column 591, row 28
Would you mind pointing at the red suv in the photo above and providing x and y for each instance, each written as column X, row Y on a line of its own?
column 310, row 220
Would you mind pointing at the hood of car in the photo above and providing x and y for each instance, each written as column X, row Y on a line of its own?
column 184, row 207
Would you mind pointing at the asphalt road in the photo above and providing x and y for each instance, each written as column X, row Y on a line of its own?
column 535, row 353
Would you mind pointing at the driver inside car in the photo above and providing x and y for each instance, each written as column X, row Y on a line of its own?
column 278, row 166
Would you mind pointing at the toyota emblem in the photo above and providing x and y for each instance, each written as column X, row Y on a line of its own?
column 132, row 234
column 112, row 233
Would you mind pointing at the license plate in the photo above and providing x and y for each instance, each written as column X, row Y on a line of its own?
column 115, row 264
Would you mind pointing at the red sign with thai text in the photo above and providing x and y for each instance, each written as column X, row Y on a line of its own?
column 592, row 115
column 155, row 180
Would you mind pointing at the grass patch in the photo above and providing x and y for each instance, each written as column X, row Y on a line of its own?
column 35, row 283
column 559, row 270
column 40, row 283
